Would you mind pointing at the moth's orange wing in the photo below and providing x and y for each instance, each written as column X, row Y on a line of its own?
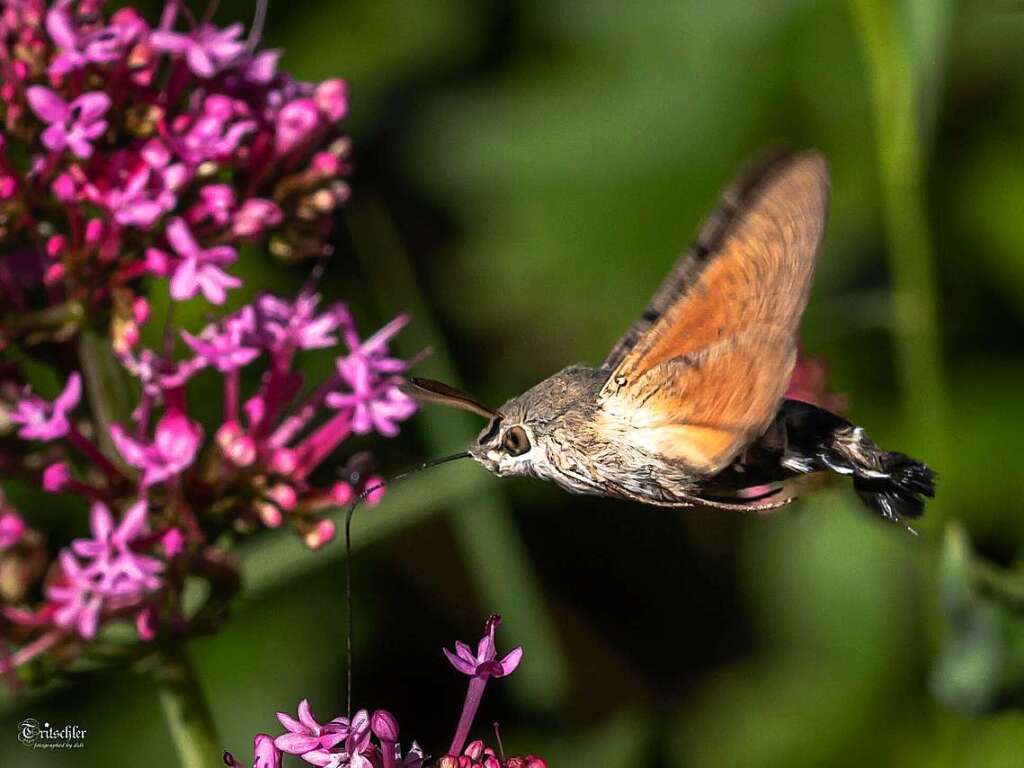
column 706, row 377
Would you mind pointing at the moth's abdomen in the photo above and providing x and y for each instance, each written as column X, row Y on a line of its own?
column 805, row 439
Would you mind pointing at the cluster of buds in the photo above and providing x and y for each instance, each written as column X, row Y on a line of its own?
column 131, row 150
column 372, row 740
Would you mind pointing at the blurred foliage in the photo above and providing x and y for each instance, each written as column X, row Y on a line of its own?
column 527, row 172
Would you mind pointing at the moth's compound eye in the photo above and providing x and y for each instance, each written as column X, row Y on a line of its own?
column 515, row 442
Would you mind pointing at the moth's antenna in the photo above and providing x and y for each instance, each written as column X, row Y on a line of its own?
column 349, row 654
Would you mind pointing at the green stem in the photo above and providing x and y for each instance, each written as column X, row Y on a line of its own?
column 186, row 711
column 896, row 100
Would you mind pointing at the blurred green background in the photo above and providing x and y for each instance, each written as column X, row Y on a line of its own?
column 526, row 173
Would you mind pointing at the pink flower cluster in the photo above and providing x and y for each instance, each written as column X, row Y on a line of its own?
column 371, row 741
column 178, row 488
column 131, row 150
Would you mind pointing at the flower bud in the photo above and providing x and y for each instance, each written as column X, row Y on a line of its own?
column 146, row 622
column 321, row 534
column 384, row 726
column 56, row 477
column 331, row 96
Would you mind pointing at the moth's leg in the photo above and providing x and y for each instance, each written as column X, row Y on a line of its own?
column 751, row 505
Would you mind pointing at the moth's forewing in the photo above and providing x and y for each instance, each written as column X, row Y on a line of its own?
column 708, row 376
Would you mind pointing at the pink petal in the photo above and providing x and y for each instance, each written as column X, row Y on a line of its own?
column 68, row 399
column 132, row 451
column 92, row 105
column 511, row 661
column 54, row 138
column 132, row 524
column 181, row 239
column 306, row 717
column 47, row 104
column 59, row 26
column 88, row 619
column 199, row 61
column 169, row 42
column 460, row 665
column 291, row 724
column 296, row 743
column 100, row 521
column 319, row 757
column 184, row 284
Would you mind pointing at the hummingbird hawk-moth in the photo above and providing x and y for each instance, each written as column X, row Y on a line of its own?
column 688, row 408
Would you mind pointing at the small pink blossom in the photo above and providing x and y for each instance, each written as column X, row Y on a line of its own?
column 75, row 125
column 255, row 216
column 207, row 49
column 172, row 451
column 43, row 420
column 297, row 325
column 374, row 396
column 307, row 737
column 296, row 124
column 484, row 662
column 199, row 269
column 77, row 50
column 108, row 569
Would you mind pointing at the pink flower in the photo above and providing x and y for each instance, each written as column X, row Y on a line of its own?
column 255, row 216
column 483, row 663
column 481, row 667
column 214, row 133
column 109, row 571
column 222, row 346
column 76, row 597
column 296, row 123
column 199, row 269
column 374, row 397
column 120, row 570
column 309, row 738
column 172, row 451
column 76, row 49
column 73, row 125
column 149, row 191
column 296, row 325
column 42, row 420
column 207, row 49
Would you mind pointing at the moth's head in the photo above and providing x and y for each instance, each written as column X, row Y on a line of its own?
column 513, row 442
column 509, row 444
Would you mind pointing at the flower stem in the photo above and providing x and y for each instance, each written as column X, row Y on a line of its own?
column 474, row 694
column 186, row 711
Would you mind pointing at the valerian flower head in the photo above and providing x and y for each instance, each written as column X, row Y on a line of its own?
column 131, row 151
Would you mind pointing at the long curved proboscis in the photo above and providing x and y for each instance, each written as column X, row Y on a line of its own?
column 439, row 393
column 349, row 513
